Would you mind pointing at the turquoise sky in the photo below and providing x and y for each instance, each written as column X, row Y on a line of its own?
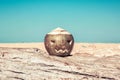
column 87, row 20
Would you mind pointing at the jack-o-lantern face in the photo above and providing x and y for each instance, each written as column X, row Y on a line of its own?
column 59, row 44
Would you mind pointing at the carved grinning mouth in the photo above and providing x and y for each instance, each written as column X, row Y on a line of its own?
column 61, row 51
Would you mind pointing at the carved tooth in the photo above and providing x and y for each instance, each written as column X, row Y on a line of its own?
column 56, row 51
column 66, row 50
column 61, row 51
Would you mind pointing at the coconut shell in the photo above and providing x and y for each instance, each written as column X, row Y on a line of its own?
column 59, row 42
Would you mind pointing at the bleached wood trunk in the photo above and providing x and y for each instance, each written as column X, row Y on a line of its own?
column 35, row 64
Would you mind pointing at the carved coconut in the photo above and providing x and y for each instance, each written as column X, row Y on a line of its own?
column 59, row 42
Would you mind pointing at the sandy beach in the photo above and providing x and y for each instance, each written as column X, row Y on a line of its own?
column 78, row 47
column 30, row 61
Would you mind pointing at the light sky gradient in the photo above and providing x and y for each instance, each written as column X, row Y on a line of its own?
column 87, row 20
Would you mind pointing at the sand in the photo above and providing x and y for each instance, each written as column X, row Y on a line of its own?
column 30, row 61
column 98, row 49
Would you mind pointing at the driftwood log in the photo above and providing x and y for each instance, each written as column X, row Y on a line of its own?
column 36, row 64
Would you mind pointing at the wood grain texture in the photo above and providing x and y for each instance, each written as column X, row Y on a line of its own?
column 88, row 62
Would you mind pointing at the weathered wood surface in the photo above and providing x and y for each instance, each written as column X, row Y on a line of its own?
column 36, row 64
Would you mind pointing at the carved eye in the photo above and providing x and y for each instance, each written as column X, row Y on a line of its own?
column 69, row 41
column 53, row 41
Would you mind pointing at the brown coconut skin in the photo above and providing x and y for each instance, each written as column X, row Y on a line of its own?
column 59, row 42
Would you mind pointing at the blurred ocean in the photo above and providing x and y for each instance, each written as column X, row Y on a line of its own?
column 88, row 20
